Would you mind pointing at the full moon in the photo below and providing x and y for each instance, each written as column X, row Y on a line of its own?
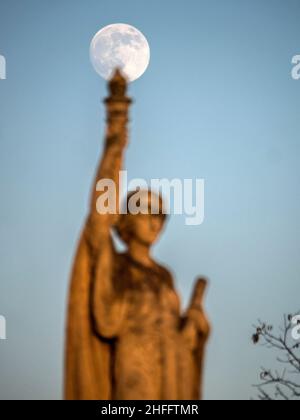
column 120, row 46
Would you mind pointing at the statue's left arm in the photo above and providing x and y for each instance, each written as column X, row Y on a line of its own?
column 108, row 303
column 196, row 327
column 195, row 330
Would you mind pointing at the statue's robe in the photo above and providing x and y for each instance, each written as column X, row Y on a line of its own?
column 87, row 357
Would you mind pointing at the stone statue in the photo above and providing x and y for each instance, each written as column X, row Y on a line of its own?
column 126, row 336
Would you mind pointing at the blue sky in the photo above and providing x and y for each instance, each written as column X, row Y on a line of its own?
column 217, row 102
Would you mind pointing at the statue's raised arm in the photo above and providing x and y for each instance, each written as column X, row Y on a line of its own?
column 100, row 220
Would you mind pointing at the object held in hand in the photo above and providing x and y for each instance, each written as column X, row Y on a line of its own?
column 198, row 296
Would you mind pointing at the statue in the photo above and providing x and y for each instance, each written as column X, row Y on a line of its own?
column 126, row 336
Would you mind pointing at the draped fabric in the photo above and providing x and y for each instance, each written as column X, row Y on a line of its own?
column 125, row 335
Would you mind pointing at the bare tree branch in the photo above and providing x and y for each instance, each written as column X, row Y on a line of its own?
column 275, row 385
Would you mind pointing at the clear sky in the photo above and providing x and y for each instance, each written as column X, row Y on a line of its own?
column 217, row 102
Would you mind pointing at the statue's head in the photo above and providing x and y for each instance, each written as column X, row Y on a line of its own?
column 144, row 219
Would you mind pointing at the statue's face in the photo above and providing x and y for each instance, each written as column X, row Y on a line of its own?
column 144, row 227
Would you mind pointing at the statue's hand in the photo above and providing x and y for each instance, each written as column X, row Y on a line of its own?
column 117, row 137
column 200, row 319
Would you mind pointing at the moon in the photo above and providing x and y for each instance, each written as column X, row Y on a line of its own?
column 120, row 46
